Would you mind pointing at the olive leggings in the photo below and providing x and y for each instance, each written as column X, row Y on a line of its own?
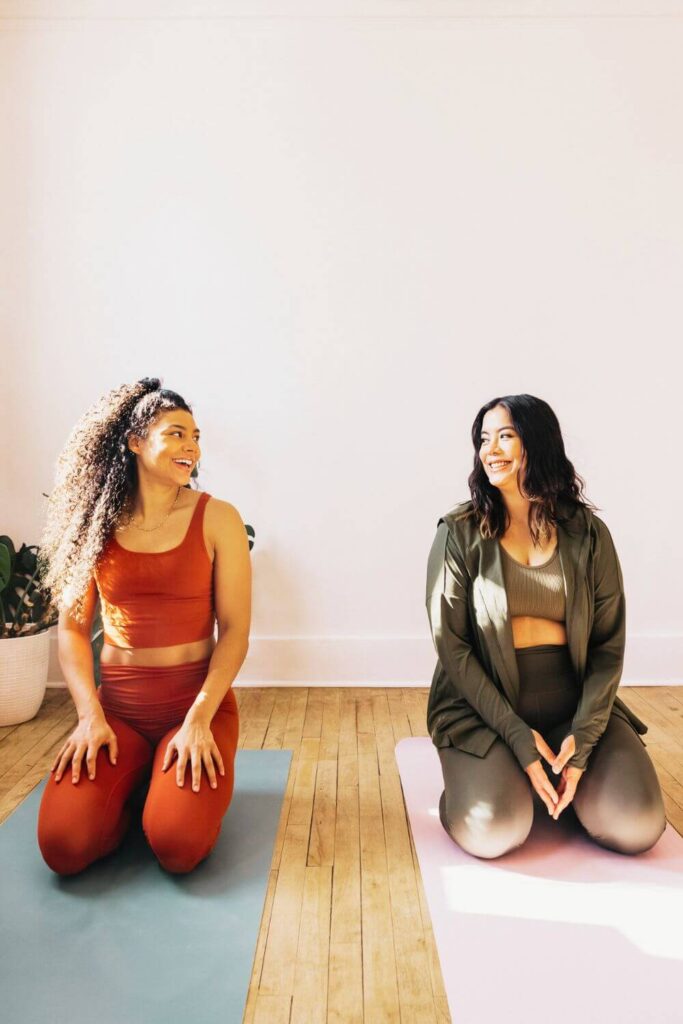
column 488, row 803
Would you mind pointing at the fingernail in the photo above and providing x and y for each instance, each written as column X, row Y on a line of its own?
column 195, row 788
column 213, row 785
column 91, row 776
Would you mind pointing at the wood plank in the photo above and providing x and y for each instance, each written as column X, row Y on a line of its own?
column 245, row 704
column 345, row 993
column 272, row 1010
column 324, row 819
column 380, row 988
column 348, row 741
column 277, row 725
column 32, row 768
column 279, row 961
column 295, row 719
column 415, row 700
column 329, row 733
column 384, row 734
column 314, row 715
column 255, row 723
column 309, row 1003
column 397, row 713
column 20, row 739
column 345, row 989
column 416, row 998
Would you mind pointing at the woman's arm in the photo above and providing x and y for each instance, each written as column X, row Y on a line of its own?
column 605, row 659
column 76, row 660
column 232, row 601
column 194, row 740
column 447, row 607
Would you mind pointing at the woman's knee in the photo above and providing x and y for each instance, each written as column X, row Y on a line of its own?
column 628, row 827
column 178, row 851
column 619, row 800
column 66, row 850
column 69, row 845
column 485, row 830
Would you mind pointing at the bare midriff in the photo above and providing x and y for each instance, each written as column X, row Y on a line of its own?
column 529, row 631
column 179, row 654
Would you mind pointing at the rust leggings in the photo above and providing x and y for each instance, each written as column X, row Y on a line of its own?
column 145, row 707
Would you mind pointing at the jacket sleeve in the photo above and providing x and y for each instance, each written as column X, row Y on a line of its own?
column 447, row 588
column 605, row 657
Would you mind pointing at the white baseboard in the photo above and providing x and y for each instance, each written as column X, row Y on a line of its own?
column 651, row 660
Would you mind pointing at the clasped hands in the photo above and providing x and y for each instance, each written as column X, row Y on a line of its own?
column 556, row 800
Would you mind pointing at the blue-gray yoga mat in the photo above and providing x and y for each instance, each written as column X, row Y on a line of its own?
column 127, row 943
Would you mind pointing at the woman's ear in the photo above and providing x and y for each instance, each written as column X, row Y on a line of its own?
column 134, row 444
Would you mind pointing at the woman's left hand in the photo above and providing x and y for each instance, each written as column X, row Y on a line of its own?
column 570, row 775
column 194, row 742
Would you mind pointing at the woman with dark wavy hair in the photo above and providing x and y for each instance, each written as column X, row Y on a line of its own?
column 526, row 605
column 167, row 562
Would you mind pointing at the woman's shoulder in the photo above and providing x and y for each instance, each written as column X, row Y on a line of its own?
column 461, row 514
column 219, row 514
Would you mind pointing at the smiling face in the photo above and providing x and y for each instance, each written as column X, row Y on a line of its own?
column 501, row 450
column 171, row 449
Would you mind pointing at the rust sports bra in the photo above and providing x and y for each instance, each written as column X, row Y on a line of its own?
column 161, row 598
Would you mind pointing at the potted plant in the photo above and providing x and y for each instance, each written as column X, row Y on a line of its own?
column 26, row 615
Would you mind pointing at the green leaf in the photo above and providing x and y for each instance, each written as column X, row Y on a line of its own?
column 5, row 565
column 10, row 546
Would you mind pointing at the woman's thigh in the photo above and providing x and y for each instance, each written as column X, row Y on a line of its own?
column 618, row 800
column 487, row 805
column 79, row 823
column 182, row 825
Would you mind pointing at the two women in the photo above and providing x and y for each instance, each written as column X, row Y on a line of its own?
column 526, row 604
column 168, row 563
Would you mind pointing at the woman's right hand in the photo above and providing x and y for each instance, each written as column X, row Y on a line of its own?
column 537, row 776
column 90, row 734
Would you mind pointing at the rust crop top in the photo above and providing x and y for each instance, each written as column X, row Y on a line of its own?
column 161, row 598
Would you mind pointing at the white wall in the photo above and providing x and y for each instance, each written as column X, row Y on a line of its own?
column 339, row 229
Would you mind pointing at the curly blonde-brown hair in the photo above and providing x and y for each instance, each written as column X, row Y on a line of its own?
column 95, row 476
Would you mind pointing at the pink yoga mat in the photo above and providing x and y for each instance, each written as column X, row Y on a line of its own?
column 560, row 930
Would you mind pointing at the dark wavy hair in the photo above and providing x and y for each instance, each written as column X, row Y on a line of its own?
column 550, row 482
column 95, row 477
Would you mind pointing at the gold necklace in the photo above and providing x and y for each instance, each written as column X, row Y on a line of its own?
column 151, row 529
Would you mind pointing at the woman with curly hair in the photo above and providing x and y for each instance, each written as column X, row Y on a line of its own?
column 166, row 562
column 526, row 604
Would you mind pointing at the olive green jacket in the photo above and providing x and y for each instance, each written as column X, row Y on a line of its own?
column 475, row 688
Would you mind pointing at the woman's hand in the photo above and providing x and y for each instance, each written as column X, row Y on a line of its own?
column 537, row 776
column 194, row 742
column 570, row 775
column 90, row 734
column 567, row 788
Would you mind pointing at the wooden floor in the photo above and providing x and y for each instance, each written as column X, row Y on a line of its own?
column 345, row 935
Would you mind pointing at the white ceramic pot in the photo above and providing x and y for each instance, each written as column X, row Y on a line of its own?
column 23, row 676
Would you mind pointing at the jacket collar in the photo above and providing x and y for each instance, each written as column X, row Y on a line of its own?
column 574, row 546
